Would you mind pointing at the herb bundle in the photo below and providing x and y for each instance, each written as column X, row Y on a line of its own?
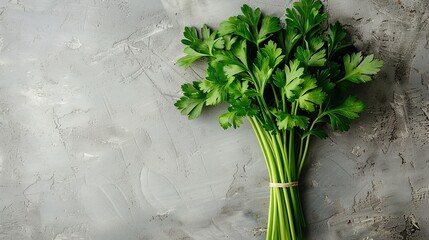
column 289, row 81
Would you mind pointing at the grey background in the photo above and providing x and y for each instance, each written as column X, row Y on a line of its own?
column 91, row 146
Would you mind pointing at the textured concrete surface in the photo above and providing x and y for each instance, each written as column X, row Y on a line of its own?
column 91, row 146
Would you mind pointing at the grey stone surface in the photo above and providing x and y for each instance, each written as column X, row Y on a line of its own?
column 91, row 146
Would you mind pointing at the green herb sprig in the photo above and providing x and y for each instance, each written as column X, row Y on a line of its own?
column 289, row 81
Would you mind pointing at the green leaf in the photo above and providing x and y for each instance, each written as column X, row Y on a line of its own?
column 237, row 89
column 316, row 43
column 239, row 25
column 199, row 47
column 309, row 95
column 293, row 20
column 242, row 30
column 234, row 61
column 310, row 99
column 341, row 115
column 215, row 85
column 232, row 70
column 251, row 93
column 293, row 71
column 308, row 59
column 272, row 52
column 243, row 107
column 293, row 75
column 262, row 73
column 229, row 41
column 229, row 26
column 336, row 36
column 210, row 40
column 251, row 17
column 246, row 25
column 324, row 79
column 206, row 43
column 240, row 51
column 286, row 121
column 269, row 127
column 193, row 101
column 317, row 59
column 305, row 16
column 279, row 78
column 269, row 25
column 220, row 87
column 229, row 119
column 290, row 40
column 267, row 59
column 191, row 37
column 238, row 109
column 358, row 70
column 191, row 56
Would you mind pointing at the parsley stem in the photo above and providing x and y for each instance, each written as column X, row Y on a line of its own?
column 307, row 141
column 276, row 98
column 285, row 203
column 342, row 79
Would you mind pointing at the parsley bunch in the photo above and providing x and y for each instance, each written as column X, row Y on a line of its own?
column 289, row 81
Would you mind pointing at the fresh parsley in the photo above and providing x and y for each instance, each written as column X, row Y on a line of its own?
column 289, row 80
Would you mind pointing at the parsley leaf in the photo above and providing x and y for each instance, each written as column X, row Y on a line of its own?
column 215, row 84
column 262, row 73
column 191, row 56
column 269, row 25
column 238, row 109
column 229, row 41
column 358, row 70
column 288, row 121
column 289, row 38
column 229, row 119
column 309, row 95
column 249, row 25
column 251, row 17
column 229, row 26
column 193, row 101
column 243, row 106
column 341, row 115
column 289, row 79
column 309, row 59
column 267, row 59
column 235, row 60
column 199, row 47
column 305, row 16
column 272, row 53
column 336, row 35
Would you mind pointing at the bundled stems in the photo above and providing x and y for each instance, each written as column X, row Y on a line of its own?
column 286, row 218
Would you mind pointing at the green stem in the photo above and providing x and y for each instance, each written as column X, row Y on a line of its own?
column 283, row 95
column 271, row 171
column 261, row 101
column 301, row 145
column 276, row 98
column 272, row 218
column 280, row 165
column 273, row 176
column 301, row 163
column 285, row 202
column 291, row 152
column 307, row 142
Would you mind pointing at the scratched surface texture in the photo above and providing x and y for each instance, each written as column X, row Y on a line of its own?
column 91, row 146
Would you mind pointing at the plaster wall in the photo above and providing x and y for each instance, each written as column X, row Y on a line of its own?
column 91, row 146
